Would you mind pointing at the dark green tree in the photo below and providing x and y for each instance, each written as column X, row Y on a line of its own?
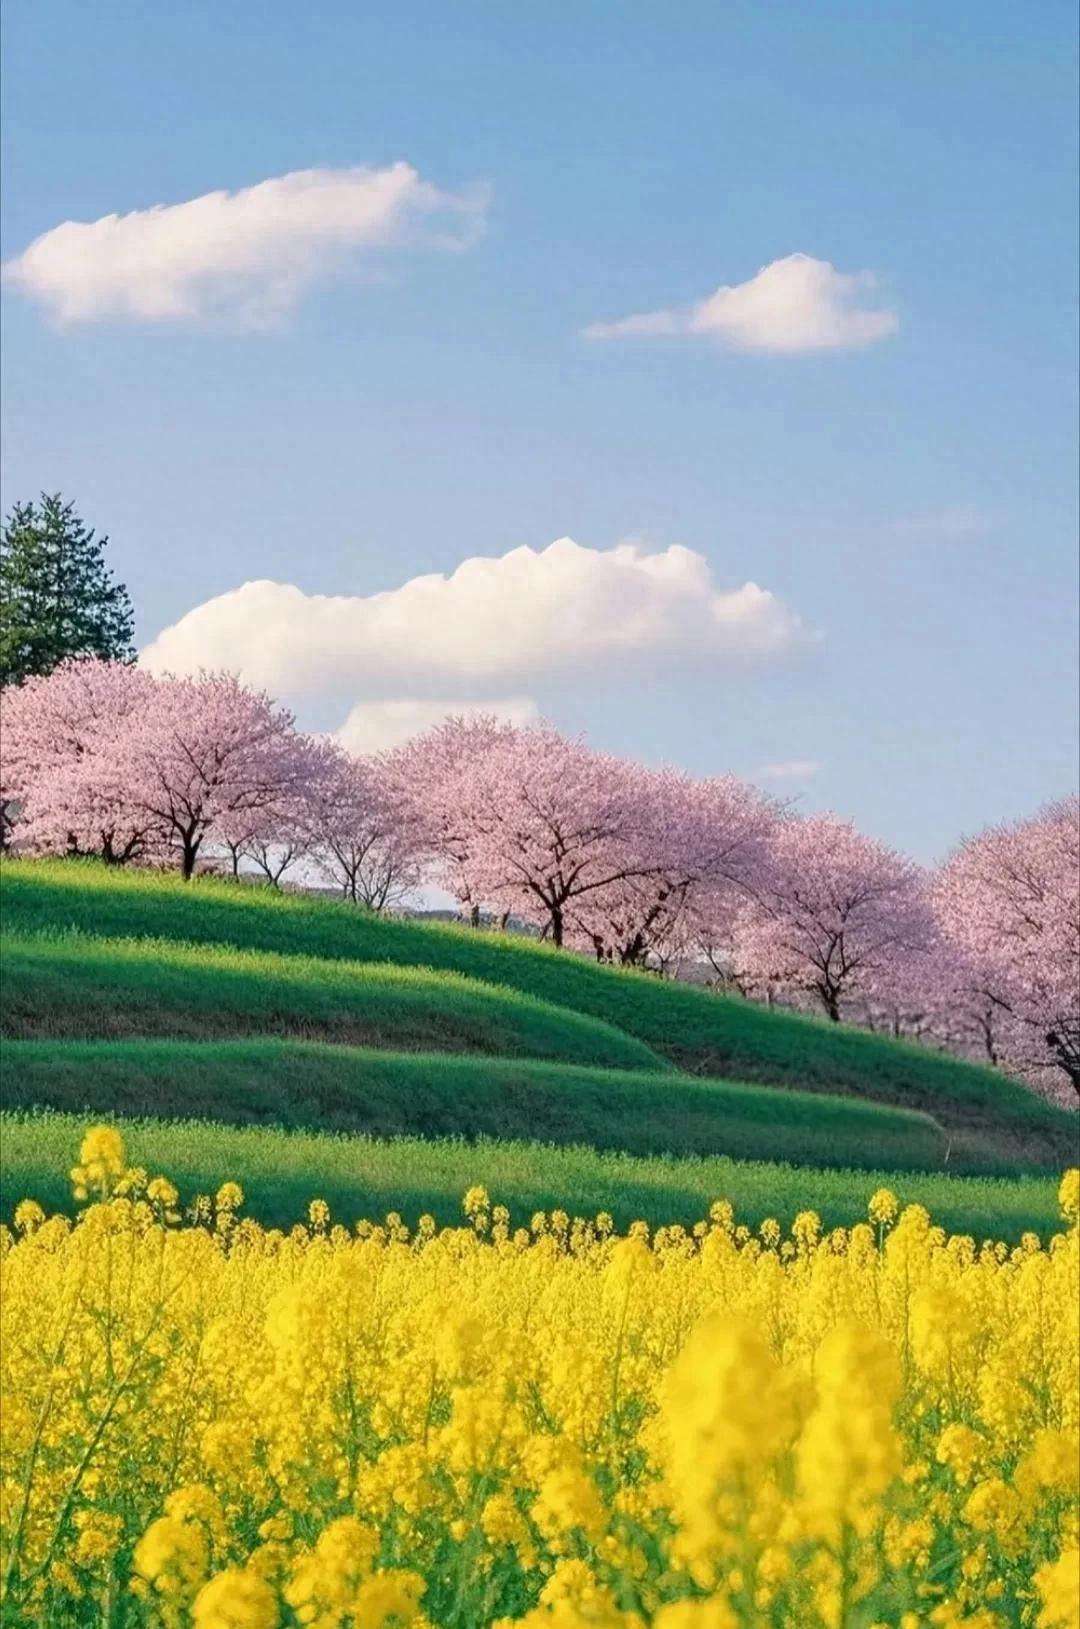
column 58, row 598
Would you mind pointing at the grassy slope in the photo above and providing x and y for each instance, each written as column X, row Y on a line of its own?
column 77, row 986
column 359, row 1176
column 386, row 1094
column 702, row 1032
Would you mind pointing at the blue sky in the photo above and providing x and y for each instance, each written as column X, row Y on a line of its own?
column 912, row 500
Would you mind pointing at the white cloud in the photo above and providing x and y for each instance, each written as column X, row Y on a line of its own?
column 792, row 769
column 795, row 304
column 493, row 626
column 248, row 256
column 955, row 523
column 375, row 726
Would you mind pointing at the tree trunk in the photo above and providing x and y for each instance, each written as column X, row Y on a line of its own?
column 557, row 925
column 188, row 855
column 1067, row 1059
column 988, row 1042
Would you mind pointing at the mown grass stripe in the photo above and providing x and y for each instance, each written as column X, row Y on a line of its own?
column 72, row 984
column 387, row 1094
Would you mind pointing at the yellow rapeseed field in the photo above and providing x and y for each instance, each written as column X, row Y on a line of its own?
column 207, row 1425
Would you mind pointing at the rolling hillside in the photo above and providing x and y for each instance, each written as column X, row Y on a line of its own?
column 108, row 954
column 72, row 985
column 301, row 1085
column 302, row 1047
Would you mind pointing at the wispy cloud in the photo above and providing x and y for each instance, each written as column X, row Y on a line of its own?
column 792, row 305
column 793, row 769
column 246, row 256
column 955, row 523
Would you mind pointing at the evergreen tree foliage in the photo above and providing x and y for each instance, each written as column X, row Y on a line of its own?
column 58, row 598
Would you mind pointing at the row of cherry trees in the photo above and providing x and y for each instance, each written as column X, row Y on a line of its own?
column 631, row 864
column 101, row 758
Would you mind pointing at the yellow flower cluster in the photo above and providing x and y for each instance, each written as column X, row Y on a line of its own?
column 212, row 1425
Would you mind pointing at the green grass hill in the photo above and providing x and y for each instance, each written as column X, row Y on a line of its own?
column 303, row 1047
column 101, row 953
column 301, row 1085
column 72, row 985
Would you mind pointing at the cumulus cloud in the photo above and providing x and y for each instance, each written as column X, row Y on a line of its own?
column 375, row 726
column 791, row 769
column 792, row 305
column 245, row 256
column 492, row 627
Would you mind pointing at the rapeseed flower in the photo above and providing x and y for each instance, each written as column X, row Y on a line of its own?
column 212, row 1425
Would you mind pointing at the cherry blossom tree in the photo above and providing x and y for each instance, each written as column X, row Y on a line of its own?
column 527, row 821
column 701, row 843
column 829, row 915
column 60, row 735
column 204, row 754
column 916, row 992
column 284, row 842
column 430, row 773
column 239, row 834
column 364, row 833
column 1009, row 901
column 276, row 836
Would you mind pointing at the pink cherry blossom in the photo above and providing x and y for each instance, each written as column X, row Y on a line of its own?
column 526, row 821
column 702, row 842
column 204, row 754
column 829, row 915
column 365, row 835
column 1009, row 900
column 60, row 736
column 429, row 772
